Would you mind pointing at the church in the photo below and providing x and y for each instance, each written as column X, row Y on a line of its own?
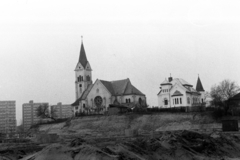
column 96, row 97
column 179, row 93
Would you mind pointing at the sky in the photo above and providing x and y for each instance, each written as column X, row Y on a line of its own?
column 144, row 41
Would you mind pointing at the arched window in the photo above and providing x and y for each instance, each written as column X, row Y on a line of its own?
column 165, row 102
column 180, row 100
column 129, row 100
column 126, row 100
column 140, row 100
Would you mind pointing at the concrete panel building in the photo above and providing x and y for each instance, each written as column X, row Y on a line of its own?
column 29, row 114
column 62, row 110
column 7, row 117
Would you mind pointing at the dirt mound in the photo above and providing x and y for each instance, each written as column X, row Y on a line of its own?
column 167, row 146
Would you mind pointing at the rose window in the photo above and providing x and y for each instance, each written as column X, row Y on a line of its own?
column 98, row 101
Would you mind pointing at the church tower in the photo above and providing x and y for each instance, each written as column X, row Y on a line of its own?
column 200, row 89
column 83, row 73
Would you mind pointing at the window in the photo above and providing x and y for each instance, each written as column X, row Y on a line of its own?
column 126, row 100
column 129, row 100
column 177, row 100
column 140, row 100
column 83, row 105
column 173, row 101
column 88, row 78
column 165, row 102
column 180, row 100
column 188, row 100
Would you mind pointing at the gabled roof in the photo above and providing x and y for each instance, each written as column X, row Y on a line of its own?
column 109, row 86
column 84, row 95
column 82, row 57
column 199, row 86
column 121, row 87
column 177, row 93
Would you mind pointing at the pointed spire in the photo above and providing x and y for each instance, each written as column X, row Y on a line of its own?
column 82, row 58
column 199, row 86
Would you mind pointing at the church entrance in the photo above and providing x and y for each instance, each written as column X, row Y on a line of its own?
column 98, row 102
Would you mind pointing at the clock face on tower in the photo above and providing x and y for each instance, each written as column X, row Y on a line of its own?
column 98, row 101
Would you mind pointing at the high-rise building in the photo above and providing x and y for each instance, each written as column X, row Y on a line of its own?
column 62, row 110
column 29, row 114
column 7, row 117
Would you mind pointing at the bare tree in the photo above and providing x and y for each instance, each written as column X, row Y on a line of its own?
column 222, row 92
column 43, row 112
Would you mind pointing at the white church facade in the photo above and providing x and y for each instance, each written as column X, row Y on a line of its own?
column 179, row 93
column 96, row 97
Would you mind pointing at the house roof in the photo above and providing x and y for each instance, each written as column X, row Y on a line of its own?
column 82, row 57
column 199, row 86
column 84, row 95
column 177, row 93
column 166, row 82
column 187, row 86
column 236, row 97
column 182, row 81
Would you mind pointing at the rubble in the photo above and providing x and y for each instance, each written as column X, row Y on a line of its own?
column 165, row 146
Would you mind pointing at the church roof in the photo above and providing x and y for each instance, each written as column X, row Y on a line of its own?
column 116, row 88
column 83, row 58
column 177, row 93
column 109, row 86
column 199, row 86
column 84, row 95
column 121, row 87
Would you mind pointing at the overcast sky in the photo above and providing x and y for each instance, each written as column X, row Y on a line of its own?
column 141, row 40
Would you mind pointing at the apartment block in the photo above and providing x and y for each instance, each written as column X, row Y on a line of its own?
column 7, row 117
column 29, row 114
column 62, row 110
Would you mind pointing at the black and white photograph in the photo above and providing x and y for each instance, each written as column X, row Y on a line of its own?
column 119, row 80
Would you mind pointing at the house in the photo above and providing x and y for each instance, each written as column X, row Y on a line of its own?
column 96, row 97
column 177, row 93
column 235, row 100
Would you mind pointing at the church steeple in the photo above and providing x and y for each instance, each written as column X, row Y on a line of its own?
column 199, row 86
column 83, row 73
column 82, row 57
